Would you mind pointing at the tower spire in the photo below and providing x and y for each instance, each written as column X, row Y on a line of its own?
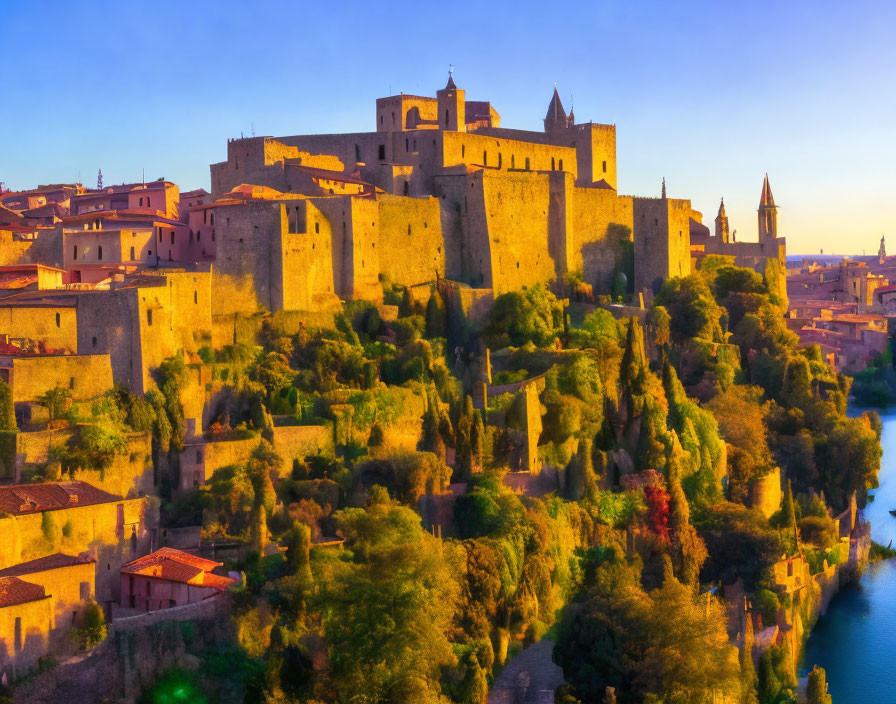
column 768, row 213
column 663, row 196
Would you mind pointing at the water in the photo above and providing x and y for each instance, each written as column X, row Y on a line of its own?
column 856, row 641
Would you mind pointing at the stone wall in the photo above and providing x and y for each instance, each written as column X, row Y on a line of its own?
column 85, row 376
column 412, row 250
column 766, row 493
column 298, row 441
column 57, row 326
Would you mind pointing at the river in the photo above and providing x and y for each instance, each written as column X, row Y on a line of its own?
column 856, row 641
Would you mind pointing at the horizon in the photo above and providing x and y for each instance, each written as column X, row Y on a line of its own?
column 730, row 110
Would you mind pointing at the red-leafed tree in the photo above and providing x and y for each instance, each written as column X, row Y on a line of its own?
column 657, row 511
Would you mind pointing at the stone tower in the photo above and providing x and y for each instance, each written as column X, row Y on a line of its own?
column 882, row 252
column 722, row 230
column 452, row 107
column 556, row 117
column 768, row 213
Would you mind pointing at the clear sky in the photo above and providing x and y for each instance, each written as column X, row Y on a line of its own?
column 710, row 95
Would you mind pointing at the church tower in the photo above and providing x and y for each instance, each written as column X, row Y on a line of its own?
column 722, row 231
column 452, row 107
column 882, row 252
column 556, row 117
column 768, row 213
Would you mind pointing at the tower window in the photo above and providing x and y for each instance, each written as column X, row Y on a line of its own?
column 446, row 119
column 75, row 252
column 605, row 167
column 317, row 227
column 407, row 145
column 553, row 165
column 195, row 297
column 561, row 164
column 132, row 253
column 58, row 320
column 172, row 237
column 149, row 316
column 141, row 202
column 211, row 218
column 527, row 163
column 484, row 158
column 99, row 252
column 382, row 152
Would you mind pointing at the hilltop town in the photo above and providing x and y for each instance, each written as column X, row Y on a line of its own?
column 230, row 408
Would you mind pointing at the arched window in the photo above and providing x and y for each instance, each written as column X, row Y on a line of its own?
column 147, row 202
column 99, row 252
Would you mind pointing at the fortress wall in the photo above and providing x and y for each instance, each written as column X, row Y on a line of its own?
column 107, row 323
column 662, row 241
column 361, row 263
column 241, row 281
column 451, row 191
column 13, row 251
column 307, row 279
column 596, row 255
column 470, row 149
column 131, row 474
column 595, row 152
column 223, row 453
column 245, row 164
column 516, row 207
column 291, row 441
column 190, row 303
column 86, row 376
column 39, row 323
column 412, row 250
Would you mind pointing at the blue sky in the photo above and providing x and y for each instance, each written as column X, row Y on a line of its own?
column 710, row 95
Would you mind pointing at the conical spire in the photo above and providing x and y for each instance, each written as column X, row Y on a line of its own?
column 767, row 198
column 663, row 195
column 722, row 213
column 450, row 85
column 555, row 108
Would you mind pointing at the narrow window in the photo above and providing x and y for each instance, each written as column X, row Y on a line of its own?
column 76, row 252
column 484, row 158
column 406, row 186
column 407, row 145
column 132, row 253
column 382, row 152
column 172, row 237
column 527, row 163
column 195, row 297
column 94, row 342
column 71, row 382
column 191, row 237
column 393, row 117
column 198, row 456
column 357, row 152
column 58, row 320
column 605, row 167
column 211, row 219
column 463, row 150
column 446, row 119
column 500, row 159
column 561, row 164
column 205, row 217
column 149, row 316
column 141, row 202
column 147, row 202
column 552, row 164
column 512, row 161
column 317, row 227
column 99, row 252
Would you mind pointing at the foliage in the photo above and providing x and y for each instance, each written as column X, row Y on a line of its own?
column 92, row 629
column 518, row 317
column 7, row 409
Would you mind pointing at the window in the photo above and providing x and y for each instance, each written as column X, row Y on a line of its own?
column 463, row 150
column 71, row 382
column 17, row 644
column 512, row 161
column 99, row 252
column 191, row 237
column 553, row 166
column 393, row 117
column 500, row 159
column 147, row 202
column 407, row 144
column 382, row 152
column 446, row 119
column 94, row 342
column 561, row 164
column 141, row 202
column 84, row 590
column 205, row 217
column 172, row 237
column 357, row 152
column 406, row 187
column 132, row 253
column 527, row 163
column 58, row 320
column 149, row 316
column 149, row 253
column 211, row 219
column 198, row 456
column 76, row 252
column 195, row 297
column 484, row 158
column 317, row 227
column 605, row 167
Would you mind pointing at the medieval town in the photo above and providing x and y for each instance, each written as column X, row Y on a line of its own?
column 427, row 413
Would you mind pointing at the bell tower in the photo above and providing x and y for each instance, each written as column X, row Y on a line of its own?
column 452, row 106
column 722, row 231
column 768, row 213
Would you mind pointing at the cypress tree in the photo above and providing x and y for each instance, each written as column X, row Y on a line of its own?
column 747, row 668
column 817, row 689
column 7, row 409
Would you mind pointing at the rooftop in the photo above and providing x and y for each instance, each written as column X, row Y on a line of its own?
column 25, row 499
column 178, row 566
column 14, row 591
column 43, row 564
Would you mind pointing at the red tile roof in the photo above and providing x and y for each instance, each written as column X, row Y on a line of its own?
column 24, row 499
column 43, row 564
column 14, row 591
column 178, row 566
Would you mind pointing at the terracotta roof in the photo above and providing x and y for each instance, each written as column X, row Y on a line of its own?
column 178, row 566
column 24, row 499
column 14, row 591
column 42, row 564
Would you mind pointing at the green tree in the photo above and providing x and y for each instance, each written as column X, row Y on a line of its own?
column 7, row 409
column 817, row 689
column 55, row 400
column 436, row 315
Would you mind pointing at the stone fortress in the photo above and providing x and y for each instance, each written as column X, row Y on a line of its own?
column 99, row 286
